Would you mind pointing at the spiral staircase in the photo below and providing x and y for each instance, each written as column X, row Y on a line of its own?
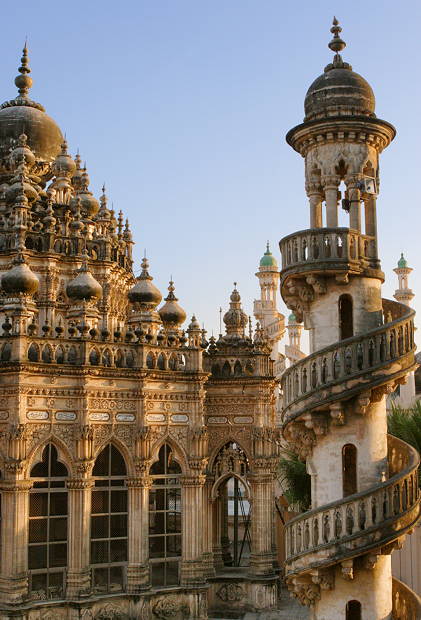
column 320, row 393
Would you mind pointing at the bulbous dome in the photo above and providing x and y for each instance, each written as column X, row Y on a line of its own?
column 268, row 260
column 144, row 292
column 402, row 262
column 235, row 319
column 19, row 279
column 64, row 163
column 22, row 115
column 84, row 286
column 339, row 91
column 171, row 313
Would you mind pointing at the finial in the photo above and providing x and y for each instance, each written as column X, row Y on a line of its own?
column 336, row 44
column 267, row 246
column 23, row 81
column 235, row 284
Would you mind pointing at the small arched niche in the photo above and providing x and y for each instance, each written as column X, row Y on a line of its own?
column 349, row 469
column 346, row 319
column 353, row 610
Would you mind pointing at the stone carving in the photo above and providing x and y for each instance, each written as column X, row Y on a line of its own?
column 171, row 606
column 230, row 592
column 110, row 611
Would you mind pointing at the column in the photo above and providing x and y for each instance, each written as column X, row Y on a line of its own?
column 207, row 529
column 316, row 216
column 261, row 560
column 370, row 208
column 330, row 185
column 138, row 574
column 14, row 540
column 78, row 569
column 192, row 532
column 355, row 207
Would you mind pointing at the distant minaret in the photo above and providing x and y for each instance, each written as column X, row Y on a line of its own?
column 293, row 350
column 404, row 295
column 265, row 308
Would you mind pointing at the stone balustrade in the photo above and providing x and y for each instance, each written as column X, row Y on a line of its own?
column 406, row 603
column 338, row 249
column 350, row 359
column 358, row 523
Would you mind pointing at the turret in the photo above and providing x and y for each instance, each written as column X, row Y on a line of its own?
column 403, row 293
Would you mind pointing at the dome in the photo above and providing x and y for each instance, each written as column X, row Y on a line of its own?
column 268, row 260
column 144, row 292
column 19, row 279
column 339, row 91
column 84, row 286
column 64, row 163
column 402, row 262
column 172, row 315
column 22, row 115
column 292, row 318
column 235, row 319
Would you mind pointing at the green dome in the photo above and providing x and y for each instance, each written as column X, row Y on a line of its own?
column 402, row 263
column 292, row 318
column 268, row 260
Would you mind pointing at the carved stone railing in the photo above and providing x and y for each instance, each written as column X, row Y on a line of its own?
column 406, row 604
column 326, row 249
column 359, row 523
column 348, row 367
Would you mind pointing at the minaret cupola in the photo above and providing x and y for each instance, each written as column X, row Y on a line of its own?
column 84, row 287
column 171, row 313
column 235, row 318
column 144, row 292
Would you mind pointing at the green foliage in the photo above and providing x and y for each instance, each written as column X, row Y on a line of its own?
column 295, row 481
column 406, row 425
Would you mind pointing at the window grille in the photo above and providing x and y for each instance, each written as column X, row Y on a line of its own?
column 165, row 520
column 47, row 546
column 109, row 522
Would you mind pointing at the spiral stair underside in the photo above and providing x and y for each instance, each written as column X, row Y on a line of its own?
column 317, row 391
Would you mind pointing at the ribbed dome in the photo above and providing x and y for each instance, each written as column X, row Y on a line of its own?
column 19, row 279
column 339, row 91
column 268, row 260
column 22, row 115
column 84, row 286
column 171, row 313
column 235, row 319
column 144, row 292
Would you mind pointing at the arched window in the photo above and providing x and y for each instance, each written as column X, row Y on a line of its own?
column 33, row 353
column 349, row 469
column 150, row 360
column 47, row 545
column 161, row 363
column 238, row 369
column 94, row 357
column 346, row 321
column 109, row 522
column 165, row 519
column 353, row 610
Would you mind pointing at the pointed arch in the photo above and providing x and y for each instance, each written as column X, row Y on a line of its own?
column 150, row 360
column 47, row 354
column 94, row 357
column 238, row 369
column 59, row 355
column 161, row 362
column 33, row 352
column 179, row 452
column 64, row 454
column 226, row 369
column 224, row 441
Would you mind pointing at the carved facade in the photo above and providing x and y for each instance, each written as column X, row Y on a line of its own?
column 119, row 432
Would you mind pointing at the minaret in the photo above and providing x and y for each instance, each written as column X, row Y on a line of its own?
column 404, row 295
column 293, row 351
column 334, row 408
column 265, row 308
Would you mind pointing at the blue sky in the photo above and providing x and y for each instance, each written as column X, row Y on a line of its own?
column 181, row 107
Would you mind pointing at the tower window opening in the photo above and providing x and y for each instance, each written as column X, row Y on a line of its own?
column 353, row 610
column 346, row 322
column 349, row 469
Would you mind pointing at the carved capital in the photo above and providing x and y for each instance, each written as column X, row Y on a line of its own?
column 142, row 482
column 193, row 481
column 79, row 484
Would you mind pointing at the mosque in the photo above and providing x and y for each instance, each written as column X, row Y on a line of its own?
column 139, row 459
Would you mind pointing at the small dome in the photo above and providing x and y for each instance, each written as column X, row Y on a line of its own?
column 339, row 91
column 402, row 262
column 22, row 115
column 171, row 313
column 268, row 260
column 292, row 318
column 19, row 279
column 144, row 292
column 64, row 163
column 194, row 325
column 235, row 319
column 84, row 286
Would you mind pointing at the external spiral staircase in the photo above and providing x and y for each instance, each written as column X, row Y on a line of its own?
column 318, row 393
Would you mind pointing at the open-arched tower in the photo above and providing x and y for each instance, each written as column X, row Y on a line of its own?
column 364, row 483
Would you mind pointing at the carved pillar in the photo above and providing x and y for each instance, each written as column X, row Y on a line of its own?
column 355, row 203
column 207, row 529
column 225, row 541
column 315, row 196
column 192, row 532
column 371, row 223
column 78, row 571
column 14, row 540
column 330, row 185
column 262, row 492
column 217, row 533
column 138, row 575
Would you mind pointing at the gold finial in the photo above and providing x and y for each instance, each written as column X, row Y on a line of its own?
column 24, row 81
column 336, row 44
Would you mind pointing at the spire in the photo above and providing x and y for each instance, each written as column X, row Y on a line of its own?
column 235, row 319
column 337, row 44
column 24, row 81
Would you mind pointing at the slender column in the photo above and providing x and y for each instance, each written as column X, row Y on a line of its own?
column 225, row 541
column 138, row 576
column 217, row 534
column 192, row 534
column 261, row 561
column 370, row 209
column 207, row 529
column 355, row 207
column 330, row 185
column 315, row 196
column 14, row 540
column 78, row 571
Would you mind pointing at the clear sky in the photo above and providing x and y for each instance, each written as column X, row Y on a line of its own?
column 181, row 107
